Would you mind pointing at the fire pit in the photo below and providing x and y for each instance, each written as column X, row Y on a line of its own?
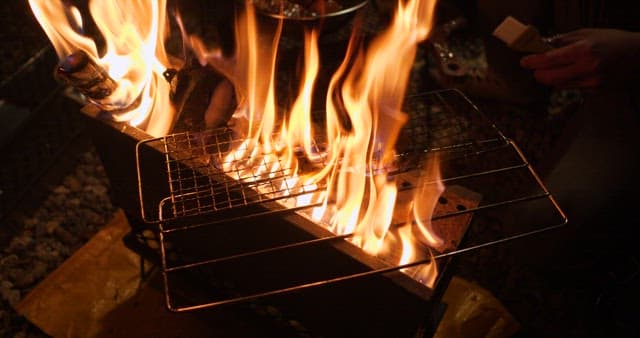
column 201, row 196
column 265, row 209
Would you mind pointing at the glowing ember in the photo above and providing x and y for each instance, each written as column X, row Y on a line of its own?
column 134, row 54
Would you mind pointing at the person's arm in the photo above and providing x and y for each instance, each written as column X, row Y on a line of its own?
column 589, row 59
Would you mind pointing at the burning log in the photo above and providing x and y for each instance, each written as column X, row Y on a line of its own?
column 81, row 72
column 204, row 98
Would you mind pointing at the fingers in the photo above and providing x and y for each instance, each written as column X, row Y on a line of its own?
column 562, row 74
column 571, row 66
column 556, row 57
column 565, row 39
column 587, row 58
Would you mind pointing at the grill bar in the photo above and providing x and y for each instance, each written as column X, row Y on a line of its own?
column 241, row 299
column 450, row 180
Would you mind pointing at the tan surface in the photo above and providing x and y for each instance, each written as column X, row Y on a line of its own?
column 473, row 312
column 98, row 293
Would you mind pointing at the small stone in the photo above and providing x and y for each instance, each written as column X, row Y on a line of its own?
column 92, row 217
column 39, row 269
column 82, row 174
column 73, row 183
column 64, row 235
column 24, row 279
column 15, row 274
column 40, row 229
column 96, row 189
column 12, row 296
column 61, row 190
column 53, row 255
column 20, row 243
column 9, row 261
column 51, row 226
column 92, row 181
column 73, row 203
column 30, row 223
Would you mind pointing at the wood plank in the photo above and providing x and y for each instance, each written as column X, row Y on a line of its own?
column 98, row 292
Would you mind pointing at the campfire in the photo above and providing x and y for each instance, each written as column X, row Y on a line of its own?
column 375, row 169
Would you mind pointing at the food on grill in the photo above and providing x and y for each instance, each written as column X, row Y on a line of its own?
column 298, row 9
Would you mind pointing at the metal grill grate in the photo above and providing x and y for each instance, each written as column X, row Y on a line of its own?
column 217, row 179
column 207, row 173
column 475, row 159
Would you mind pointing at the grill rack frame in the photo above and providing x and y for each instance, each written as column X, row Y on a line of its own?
column 441, row 142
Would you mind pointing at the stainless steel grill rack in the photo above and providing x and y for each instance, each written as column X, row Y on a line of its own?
column 208, row 201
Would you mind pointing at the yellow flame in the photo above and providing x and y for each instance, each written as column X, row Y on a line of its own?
column 427, row 274
column 363, row 121
column 134, row 56
column 373, row 93
column 300, row 131
column 350, row 179
column 425, row 200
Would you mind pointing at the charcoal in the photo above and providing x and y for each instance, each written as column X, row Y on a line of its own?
column 204, row 99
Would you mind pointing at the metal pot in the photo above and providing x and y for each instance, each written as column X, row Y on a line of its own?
column 304, row 17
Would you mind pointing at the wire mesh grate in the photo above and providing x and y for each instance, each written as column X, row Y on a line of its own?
column 217, row 170
column 215, row 188
column 208, row 173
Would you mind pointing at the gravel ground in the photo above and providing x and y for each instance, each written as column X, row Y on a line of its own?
column 72, row 213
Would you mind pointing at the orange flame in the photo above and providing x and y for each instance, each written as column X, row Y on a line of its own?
column 370, row 86
column 350, row 178
column 373, row 93
column 426, row 197
column 134, row 54
column 426, row 274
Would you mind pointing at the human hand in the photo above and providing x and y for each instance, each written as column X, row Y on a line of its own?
column 588, row 59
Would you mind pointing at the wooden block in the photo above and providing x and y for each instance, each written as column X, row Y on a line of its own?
column 474, row 312
column 520, row 37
